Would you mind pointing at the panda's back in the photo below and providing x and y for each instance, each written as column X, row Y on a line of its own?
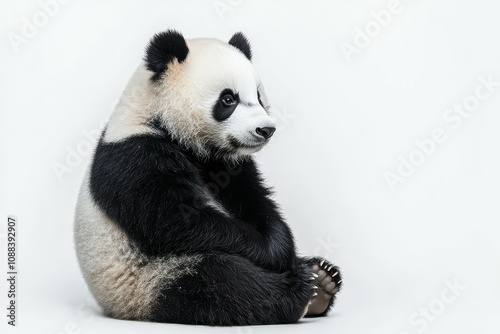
column 124, row 281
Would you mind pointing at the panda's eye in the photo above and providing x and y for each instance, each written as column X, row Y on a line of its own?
column 228, row 100
column 225, row 105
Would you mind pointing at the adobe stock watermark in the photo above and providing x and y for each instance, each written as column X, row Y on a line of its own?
column 31, row 26
column 325, row 247
column 85, row 147
column 222, row 7
column 75, row 155
column 363, row 37
column 453, row 118
column 219, row 181
column 281, row 116
column 422, row 318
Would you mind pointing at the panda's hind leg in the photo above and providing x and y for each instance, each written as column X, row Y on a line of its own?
column 228, row 290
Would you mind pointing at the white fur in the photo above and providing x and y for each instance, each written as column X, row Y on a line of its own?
column 124, row 281
column 134, row 109
column 185, row 98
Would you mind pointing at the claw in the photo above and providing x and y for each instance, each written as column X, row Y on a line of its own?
column 312, row 278
column 321, row 263
column 315, row 275
column 340, row 281
column 336, row 273
column 315, row 294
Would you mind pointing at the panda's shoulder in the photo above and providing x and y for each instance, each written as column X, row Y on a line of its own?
column 144, row 152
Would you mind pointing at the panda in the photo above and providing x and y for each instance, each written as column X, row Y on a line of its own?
column 173, row 221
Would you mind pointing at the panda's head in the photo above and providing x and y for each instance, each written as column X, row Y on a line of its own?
column 208, row 95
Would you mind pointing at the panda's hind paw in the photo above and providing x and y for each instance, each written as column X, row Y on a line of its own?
column 328, row 282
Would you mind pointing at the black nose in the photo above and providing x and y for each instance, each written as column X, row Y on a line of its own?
column 266, row 132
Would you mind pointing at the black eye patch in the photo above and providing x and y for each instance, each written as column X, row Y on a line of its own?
column 225, row 105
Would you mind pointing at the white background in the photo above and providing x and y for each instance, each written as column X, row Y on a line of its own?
column 343, row 125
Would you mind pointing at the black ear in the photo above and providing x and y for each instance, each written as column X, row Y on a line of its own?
column 240, row 42
column 163, row 48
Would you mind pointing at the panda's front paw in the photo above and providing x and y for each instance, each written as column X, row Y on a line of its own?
column 329, row 282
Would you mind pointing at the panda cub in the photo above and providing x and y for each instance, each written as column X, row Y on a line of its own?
column 173, row 221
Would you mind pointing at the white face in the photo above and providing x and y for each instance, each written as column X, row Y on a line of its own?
column 215, row 98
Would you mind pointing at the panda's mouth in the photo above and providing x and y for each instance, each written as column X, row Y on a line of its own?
column 235, row 143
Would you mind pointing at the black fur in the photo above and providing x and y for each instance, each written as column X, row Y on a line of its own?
column 240, row 42
column 163, row 48
column 221, row 112
column 228, row 290
column 153, row 189
column 250, row 273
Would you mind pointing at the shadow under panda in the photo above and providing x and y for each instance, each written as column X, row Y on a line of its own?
column 173, row 221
